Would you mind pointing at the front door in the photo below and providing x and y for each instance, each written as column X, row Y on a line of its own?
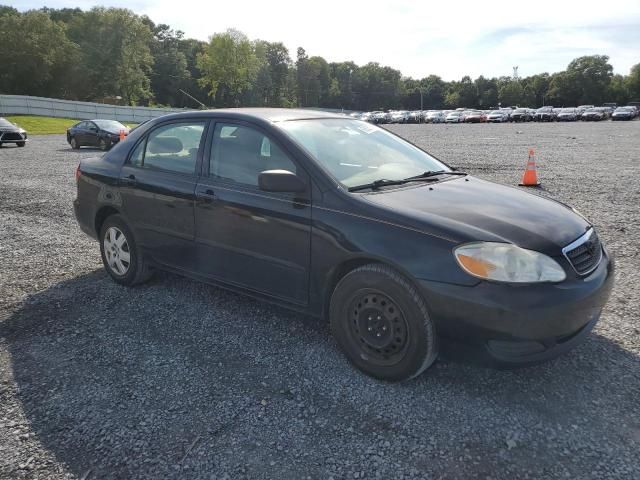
column 245, row 236
column 157, row 186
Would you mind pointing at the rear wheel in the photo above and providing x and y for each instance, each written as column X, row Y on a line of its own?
column 74, row 143
column 382, row 324
column 120, row 255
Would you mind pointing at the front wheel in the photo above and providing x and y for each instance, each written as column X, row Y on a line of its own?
column 120, row 255
column 381, row 323
column 103, row 144
column 21, row 144
column 74, row 143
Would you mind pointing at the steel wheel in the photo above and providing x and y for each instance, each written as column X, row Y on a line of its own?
column 102, row 144
column 378, row 327
column 116, row 250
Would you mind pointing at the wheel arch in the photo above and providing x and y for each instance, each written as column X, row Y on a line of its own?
column 101, row 215
column 350, row 264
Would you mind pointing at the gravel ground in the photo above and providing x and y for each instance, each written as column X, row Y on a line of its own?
column 176, row 379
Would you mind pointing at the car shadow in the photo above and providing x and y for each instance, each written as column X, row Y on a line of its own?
column 158, row 381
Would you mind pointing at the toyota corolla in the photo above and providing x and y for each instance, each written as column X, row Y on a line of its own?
column 341, row 219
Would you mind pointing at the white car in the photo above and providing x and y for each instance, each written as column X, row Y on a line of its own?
column 455, row 117
column 435, row 117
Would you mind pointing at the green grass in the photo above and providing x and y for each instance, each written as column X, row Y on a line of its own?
column 35, row 125
column 42, row 125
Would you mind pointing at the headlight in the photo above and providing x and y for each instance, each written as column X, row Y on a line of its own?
column 504, row 262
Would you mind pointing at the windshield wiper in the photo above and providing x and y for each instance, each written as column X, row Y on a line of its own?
column 383, row 182
column 426, row 176
column 433, row 173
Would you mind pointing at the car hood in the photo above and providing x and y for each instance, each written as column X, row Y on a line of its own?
column 10, row 128
column 470, row 209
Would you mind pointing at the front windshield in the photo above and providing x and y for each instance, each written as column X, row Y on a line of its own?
column 109, row 125
column 357, row 153
column 568, row 110
column 5, row 123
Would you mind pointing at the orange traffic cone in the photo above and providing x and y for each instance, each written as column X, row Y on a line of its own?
column 530, row 177
column 122, row 135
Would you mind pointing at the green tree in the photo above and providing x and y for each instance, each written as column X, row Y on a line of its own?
column 564, row 91
column 115, row 56
column 591, row 76
column 35, row 63
column 633, row 83
column 617, row 90
column 511, row 93
column 229, row 67
column 170, row 65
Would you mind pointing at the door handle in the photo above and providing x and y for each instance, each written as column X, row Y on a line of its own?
column 206, row 195
column 129, row 179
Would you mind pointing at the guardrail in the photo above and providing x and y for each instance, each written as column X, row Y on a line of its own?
column 51, row 107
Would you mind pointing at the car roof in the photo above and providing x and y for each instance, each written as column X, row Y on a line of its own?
column 267, row 114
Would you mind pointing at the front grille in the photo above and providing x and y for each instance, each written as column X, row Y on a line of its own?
column 585, row 253
column 11, row 136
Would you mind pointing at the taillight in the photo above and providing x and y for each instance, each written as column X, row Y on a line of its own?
column 78, row 173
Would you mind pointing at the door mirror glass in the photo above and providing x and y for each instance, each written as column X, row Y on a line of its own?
column 280, row 181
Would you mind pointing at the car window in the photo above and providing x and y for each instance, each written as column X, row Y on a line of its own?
column 137, row 156
column 355, row 152
column 241, row 153
column 172, row 148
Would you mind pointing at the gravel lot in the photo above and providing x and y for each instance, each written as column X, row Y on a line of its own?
column 176, row 379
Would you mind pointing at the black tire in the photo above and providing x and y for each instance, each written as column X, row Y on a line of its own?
column 104, row 145
column 382, row 324
column 137, row 271
column 21, row 144
column 74, row 143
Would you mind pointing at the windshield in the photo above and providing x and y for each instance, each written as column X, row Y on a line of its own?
column 568, row 110
column 356, row 152
column 5, row 123
column 109, row 125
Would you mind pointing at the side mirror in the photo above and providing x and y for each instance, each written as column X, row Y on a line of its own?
column 280, row 181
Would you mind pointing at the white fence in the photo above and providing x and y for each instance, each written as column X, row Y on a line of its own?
column 51, row 107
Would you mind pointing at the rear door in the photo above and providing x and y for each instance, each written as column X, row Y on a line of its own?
column 81, row 133
column 245, row 236
column 157, row 185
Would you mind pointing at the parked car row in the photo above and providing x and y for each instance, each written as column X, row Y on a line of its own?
column 510, row 114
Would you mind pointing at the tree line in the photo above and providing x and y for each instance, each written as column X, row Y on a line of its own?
column 113, row 55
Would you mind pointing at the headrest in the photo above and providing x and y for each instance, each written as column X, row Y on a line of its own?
column 165, row 145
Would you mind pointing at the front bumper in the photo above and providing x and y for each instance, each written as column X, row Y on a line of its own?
column 518, row 325
column 13, row 137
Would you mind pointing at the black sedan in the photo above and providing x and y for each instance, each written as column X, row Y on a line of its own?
column 545, row 114
column 520, row 115
column 624, row 113
column 344, row 220
column 11, row 133
column 96, row 133
column 594, row 115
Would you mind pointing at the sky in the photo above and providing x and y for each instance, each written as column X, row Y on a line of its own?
column 420, row 37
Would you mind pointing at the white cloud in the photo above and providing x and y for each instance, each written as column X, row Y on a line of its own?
column 450, row 39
